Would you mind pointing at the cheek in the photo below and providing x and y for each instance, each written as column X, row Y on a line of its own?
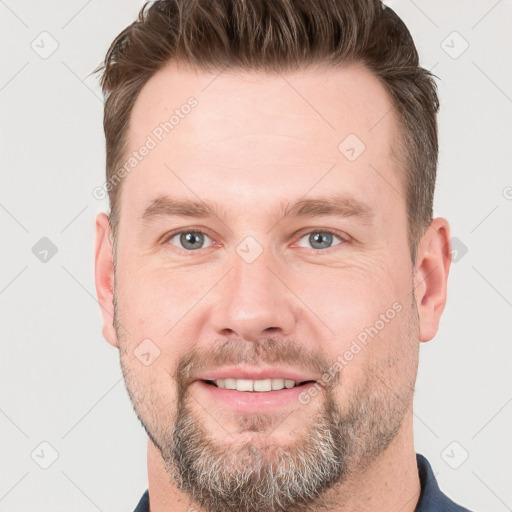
column 161, row 305
column 380, row 360
column 152, row 392
column 366, row 307
column 147, row 356
column 351, row 298
column 156, row 298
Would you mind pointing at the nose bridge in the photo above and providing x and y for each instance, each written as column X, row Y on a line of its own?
column 253, row 302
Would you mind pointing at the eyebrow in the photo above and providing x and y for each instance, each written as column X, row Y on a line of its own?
column 336, row 206
column 332, row 205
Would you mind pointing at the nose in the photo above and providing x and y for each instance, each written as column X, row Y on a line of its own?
column 253, row 302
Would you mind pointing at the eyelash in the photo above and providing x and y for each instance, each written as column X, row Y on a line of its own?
column 344, row 239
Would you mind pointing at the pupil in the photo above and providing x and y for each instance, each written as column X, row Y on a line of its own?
column 191, row 240
column 320, row 240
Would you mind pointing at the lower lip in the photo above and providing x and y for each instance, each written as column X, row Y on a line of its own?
column 254, row 401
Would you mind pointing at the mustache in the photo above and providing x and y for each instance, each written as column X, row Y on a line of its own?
column 267, row 351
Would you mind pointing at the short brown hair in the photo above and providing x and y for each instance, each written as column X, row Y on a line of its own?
column 277, row 36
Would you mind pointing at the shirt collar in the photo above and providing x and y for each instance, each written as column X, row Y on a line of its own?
column 431, row 498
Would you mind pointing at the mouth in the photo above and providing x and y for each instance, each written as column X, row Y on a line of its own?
column 266, row 392
column 256, row 386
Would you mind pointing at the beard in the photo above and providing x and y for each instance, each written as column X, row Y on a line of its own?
column 262, row 475
column 256, row 476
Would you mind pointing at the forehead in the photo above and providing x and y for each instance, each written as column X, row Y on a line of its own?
column 247, row 134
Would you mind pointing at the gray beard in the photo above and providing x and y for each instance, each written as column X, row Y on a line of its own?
column 255, row 477
column 258, row 477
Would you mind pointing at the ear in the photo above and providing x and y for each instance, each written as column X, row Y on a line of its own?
column 104, row 277
column 433, row 261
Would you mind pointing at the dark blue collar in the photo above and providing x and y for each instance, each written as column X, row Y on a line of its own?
column 143, row 505
column 431, row 497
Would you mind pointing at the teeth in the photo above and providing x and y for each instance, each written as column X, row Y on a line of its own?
column 228, row 383
column 244, row 385
column 277, row 384
column 263, row 385
column 289, row 383
column 255, row 385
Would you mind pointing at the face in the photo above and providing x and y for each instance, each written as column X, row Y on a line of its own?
column 264, row 307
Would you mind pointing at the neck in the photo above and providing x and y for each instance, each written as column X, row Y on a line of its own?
column 389, row 484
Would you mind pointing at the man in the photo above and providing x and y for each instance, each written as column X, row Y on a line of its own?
column 270, row 263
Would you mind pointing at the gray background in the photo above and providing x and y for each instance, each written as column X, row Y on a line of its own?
column 61, row 382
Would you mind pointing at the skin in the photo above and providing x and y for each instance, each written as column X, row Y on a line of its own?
column 252, row 143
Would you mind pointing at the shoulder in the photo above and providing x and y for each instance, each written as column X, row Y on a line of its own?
column 432, row 499
column 143, row 505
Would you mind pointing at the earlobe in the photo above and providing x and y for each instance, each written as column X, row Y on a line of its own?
column 431, row 275
column 104, row 277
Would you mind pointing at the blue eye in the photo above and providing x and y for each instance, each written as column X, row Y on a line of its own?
column 189, row 240
column 319, row 239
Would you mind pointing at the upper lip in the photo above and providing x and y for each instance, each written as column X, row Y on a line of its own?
column 237, row 372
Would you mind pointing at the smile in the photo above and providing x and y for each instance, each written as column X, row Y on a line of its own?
column 260, row 386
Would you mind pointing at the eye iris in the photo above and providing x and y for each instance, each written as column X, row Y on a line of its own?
column 191, row 240
column 320, row 240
